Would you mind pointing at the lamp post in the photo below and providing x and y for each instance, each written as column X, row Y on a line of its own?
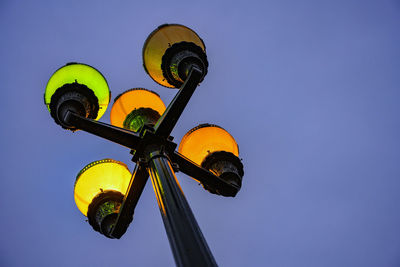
column 77, row 96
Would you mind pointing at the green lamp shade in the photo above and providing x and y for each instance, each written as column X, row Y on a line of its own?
column 82, row 74
column 101, row 176
column 161, row 39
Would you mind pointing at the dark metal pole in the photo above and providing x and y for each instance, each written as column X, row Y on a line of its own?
column 186, row 240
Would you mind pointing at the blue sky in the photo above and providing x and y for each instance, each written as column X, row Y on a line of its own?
column 309, row 89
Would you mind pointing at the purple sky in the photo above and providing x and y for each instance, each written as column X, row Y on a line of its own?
column 309, row 89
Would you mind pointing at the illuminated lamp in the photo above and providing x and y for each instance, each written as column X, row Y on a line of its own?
column 135, row 108
column 79, row 88
column 99, row 190
column 214, row 149
column 170, row 51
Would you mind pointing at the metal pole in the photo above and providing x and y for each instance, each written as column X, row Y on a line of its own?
column 186, row 240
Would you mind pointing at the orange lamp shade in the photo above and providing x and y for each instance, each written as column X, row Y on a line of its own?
column 131, row 100
column 155, row 46
column 205, row 139
column 97, row 177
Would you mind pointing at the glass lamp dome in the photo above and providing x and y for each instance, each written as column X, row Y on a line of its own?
column 97, row 177
column 169, row 50
column 136, row 107
column 214, row 149
column 79, row 78
column 99, row 191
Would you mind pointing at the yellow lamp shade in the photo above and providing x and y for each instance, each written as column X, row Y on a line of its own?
column 205, row 139
column 131, row 100
column 97, row 177
column 156, row 45
column 82, row 74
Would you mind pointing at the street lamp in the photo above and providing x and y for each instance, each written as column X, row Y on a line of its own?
column 77, row 96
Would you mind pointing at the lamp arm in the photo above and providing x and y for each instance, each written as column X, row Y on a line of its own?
column 168, row 120
column 204, row 176
column 136, row 185
column 112, row 133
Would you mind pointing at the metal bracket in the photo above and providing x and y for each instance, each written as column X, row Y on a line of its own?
column 168, row 120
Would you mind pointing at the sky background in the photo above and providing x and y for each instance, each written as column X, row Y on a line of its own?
column 309, row 89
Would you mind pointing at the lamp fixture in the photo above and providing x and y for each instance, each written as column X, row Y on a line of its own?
column 170, row 51
column 212, row 147
column 136, row 107
column 78, row 87
column 99, row 191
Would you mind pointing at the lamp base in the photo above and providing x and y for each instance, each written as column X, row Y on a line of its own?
column 225, row 165
column 178, row 60
column 139, row 117
column 103, row 211
column 74, row 97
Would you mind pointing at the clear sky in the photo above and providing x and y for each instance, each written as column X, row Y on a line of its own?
column 309, row 89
